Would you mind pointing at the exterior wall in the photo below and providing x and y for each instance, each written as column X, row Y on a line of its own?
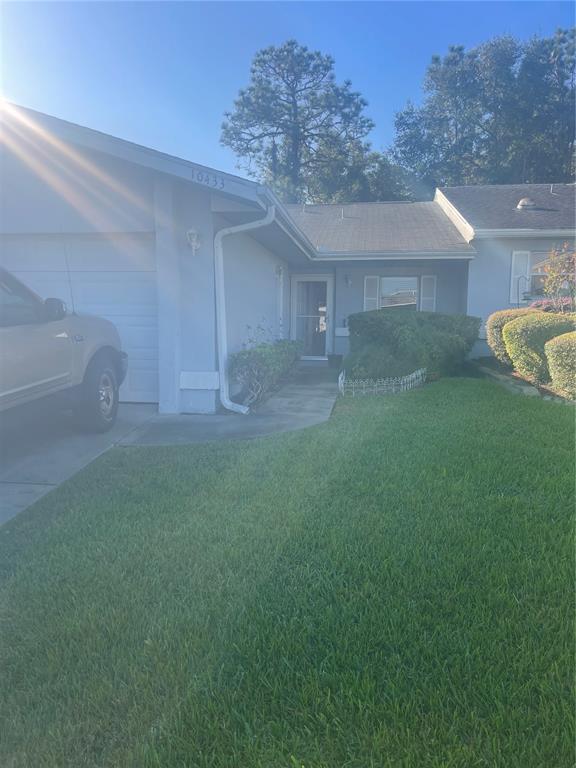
column 349, row 287
column 257, row 292
column 195, row 295
column 83, row 192
column 489, row 277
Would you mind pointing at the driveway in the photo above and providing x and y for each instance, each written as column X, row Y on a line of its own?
column 40, row 450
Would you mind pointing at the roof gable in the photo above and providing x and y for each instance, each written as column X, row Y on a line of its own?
column 494, row 206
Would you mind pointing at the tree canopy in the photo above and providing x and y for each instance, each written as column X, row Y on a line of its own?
column 503, row 112
column 298, row 130
column 499, row 113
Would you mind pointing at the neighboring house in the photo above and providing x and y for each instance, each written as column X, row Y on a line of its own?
column 512, row 229
column 191, row 264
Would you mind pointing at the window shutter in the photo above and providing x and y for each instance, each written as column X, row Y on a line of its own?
column 428, row 293
column 519, row 275
column 371, row 293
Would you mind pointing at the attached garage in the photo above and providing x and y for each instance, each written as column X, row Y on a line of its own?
column 113, row 276
column 128, row 234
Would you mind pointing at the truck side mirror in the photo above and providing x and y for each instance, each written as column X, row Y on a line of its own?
column 54, row 309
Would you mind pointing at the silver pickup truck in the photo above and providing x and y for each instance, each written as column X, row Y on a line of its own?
column 46, row 352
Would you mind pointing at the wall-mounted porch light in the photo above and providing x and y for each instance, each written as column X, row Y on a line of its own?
column 193, row 239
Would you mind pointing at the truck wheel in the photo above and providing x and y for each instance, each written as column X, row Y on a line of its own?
column 98, row 405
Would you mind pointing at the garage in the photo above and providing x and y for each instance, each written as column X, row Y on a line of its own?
column 113, row 276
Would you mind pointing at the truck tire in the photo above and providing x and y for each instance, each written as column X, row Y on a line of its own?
column 98, row 404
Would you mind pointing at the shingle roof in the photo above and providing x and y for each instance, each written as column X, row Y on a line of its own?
column 494, row 206
column 379, row 228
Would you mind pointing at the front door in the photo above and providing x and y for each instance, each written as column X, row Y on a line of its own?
column 311, row 314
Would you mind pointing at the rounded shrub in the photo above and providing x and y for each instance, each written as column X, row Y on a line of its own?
column 384, row 343
column 494, row 326
column 525, row 338
column 561, row 356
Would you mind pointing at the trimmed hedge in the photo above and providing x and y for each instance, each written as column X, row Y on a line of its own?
column 525, row 338
column 494, row 327
column 259, row 369
column 561, row 356
column 384, row 343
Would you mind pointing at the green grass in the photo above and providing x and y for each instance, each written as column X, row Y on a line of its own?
column 391, row 589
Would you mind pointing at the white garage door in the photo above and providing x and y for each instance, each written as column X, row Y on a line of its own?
column 112, row 276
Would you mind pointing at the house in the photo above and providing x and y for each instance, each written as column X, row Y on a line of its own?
column 191, row 263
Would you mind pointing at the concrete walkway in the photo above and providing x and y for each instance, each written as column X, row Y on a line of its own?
column 306, row 401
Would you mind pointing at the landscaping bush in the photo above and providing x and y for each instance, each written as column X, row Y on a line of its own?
column 561, row 356
column 384, row 343
column 525, row 338
column 259, row 369
column 494, row 326
column 559, row 305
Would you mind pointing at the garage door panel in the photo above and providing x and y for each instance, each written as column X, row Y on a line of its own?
column 126, row 293
column 140, row 382
column 32, row 254
column 115, row 280
column 132, row 253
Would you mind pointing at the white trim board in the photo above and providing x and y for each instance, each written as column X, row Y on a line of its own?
column 199, row 380
column 462, row 225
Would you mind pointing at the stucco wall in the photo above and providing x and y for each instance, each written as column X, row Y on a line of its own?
column 257, row 292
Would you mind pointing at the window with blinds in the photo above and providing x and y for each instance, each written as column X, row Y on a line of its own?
column 400, row 293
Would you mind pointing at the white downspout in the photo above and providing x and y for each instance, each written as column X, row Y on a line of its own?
column 221, row 329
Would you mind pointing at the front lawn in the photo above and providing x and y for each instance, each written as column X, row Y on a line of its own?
column 393, row 589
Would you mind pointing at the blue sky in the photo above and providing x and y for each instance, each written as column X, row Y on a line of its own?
column 162, row 74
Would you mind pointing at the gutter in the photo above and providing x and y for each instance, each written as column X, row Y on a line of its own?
column 482, row 234
column 220, row 290
column 393, row 255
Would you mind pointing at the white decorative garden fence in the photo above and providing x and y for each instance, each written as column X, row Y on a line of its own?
column 381, row 386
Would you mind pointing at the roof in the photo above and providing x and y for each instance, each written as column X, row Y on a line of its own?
column 441, row 228
column 493, row 206
column 380, row 228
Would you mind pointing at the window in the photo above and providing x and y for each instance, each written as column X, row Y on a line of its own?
column 527, row 275
column 400, row 293
column 17, row 305
column 537, row 273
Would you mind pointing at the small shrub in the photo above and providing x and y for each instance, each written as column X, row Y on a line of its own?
column 494, row 327
column 561, row 356
column 260, row 368
column 525, row 338
column 560, row 305
column 375, row 361
column 384, row 343
column 560, row 279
